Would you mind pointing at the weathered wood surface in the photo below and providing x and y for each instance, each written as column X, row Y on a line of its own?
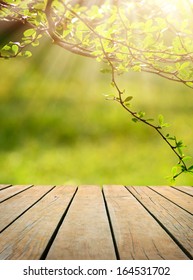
column 13, row 208
column 183, row 200
column 175, row 220
column 28, row 237
column 185, row 189
column 90, row 222
column 85, row 233
column 4, row 186
column 12, row 191
column 138, row 234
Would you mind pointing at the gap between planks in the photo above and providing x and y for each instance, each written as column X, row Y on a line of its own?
column 77, row 246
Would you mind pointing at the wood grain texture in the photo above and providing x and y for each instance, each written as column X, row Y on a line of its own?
column 181, row 199
column 16, row 205
column 4, row 186
column 138, row 235
column 185, row 189
column 9, row 192
column 116, row 222
column 177, row 221
column 85, row 232
column 28, row 236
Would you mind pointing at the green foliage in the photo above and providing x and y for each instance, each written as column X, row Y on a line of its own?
column 56, row 127
column 161, row 122
column 144, row 36
column 127, row 101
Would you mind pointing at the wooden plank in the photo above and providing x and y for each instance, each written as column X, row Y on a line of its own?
column 175, row 220
column 85, row 233
column 183, row 200
column 138, row 235
column 16, row 205
column 27, row 237
column 9, row 192
column 186, row 189
column 4, row 186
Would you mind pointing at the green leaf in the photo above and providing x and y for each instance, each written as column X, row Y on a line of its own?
column 127, row 99
column 174, row 171
column 190, row 168
column 110, row 96
column 180, row 151
column 137, row 68
column 58, row 6
column 29, row 32
column 66, row 33
column 7, row 51
column 179, row 143
column 172, row 138
column 161, row 120
column 186, row 158
column 27, row 54
column 120, row 56
column 183, row 168
column 166, row 125
column 141, row 114
column 15, row 49
column 135, row 120
column 184, row 65
column 35, row 43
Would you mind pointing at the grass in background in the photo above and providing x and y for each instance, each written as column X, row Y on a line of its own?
column 57, row 128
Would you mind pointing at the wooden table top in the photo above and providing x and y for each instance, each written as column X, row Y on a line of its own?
column 96, row 223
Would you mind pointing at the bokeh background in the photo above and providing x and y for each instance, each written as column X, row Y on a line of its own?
column 57, row 128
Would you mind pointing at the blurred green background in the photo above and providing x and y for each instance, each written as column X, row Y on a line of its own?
column 57, row 128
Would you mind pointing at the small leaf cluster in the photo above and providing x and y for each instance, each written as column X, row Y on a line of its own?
column 162, row 123
column 29, row 13
column 173, row 143
column 149, row 36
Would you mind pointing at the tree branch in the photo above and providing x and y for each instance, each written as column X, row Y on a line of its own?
column 56, row 40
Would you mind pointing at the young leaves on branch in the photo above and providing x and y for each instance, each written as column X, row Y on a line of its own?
column 142, row 36
column 150, row 36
